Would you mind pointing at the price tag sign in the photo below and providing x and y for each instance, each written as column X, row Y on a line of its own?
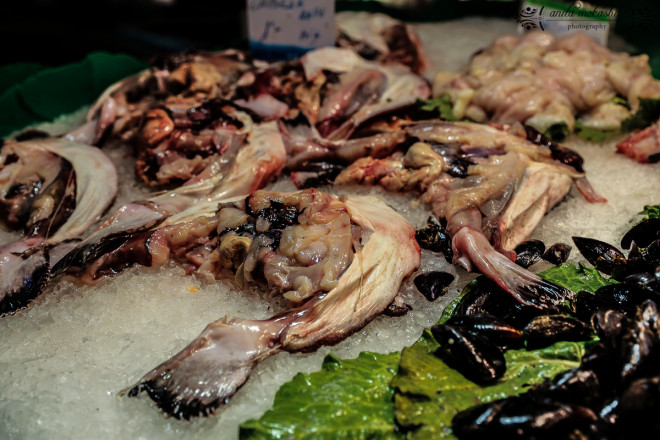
column 286, row 29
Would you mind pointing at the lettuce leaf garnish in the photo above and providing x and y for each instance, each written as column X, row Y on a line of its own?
column 651, row 211
column 647, row 113
column 348, row 399
column 593, row 134
column 441, row 105
column 429, row 393
column 576, row 278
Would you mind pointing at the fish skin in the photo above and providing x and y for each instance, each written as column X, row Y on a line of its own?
column 204, row 375
column 25, row 263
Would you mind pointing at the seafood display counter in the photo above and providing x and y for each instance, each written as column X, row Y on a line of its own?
column 284, row 277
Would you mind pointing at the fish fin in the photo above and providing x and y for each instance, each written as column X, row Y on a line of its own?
column 203, row 376
column 526, row 287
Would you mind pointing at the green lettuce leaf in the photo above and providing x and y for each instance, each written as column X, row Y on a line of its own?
column 647, row 113
column 576, row 278
column 442, row 106
column 429, row 393
column 651, row 211
column 593, row 134
column 348, row 399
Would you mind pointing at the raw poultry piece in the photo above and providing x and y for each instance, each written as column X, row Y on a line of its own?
column 54, row 190
column 490, row 185
column 379, row 37
column 338, row 261
column 549, row 83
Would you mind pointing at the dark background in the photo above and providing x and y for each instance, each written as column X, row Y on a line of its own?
column 51, row 33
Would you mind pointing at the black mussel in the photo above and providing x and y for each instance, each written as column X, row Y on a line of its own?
column 559, row 152
column 652, row 254
column 473, row 355
column 529, row 252
column 523, row 417
column 622, row 297
column 639, row 403
column 498, row 331
column 641, row 344
column 575, row 386
column 433, row 285
column 487, row 297
column 586, row 304
column 397, row 308
column 609, row 325
column 543, row 331
column 643, row 233
column 603, row 359
column 557, row 254
column 604, row 257
column 648, row 281
column 435, row 238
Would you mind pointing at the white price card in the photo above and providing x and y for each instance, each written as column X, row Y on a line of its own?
column 285, row 29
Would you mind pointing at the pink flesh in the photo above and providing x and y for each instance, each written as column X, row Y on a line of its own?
column 206, row 373
column 642, row 145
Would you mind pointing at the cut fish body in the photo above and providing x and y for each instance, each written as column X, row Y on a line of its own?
column 484, row 181
column 258, row 161
column 205, row 374
column 24, row 264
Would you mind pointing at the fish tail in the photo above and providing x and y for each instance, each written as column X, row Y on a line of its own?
column 204, row 375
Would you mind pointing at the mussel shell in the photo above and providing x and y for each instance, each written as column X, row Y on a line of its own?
column 609, row 325
column 575, row 386
column 433, row 285
column 473, row 355
column 621, row 297
column 601, row 255
column 641, row 344
column 397, row 310
column 642, row 397
column 435, row 238
column 648, row 281
column 487, row 297
column 557, row 254
column 635, row 410
column 523, row 417
column 643, row 233
column 529, row 252
column 652, row 254
column 543, row 331
column 496, row 330
column 603, row 359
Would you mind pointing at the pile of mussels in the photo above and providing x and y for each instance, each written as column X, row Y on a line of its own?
column 616, row 389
